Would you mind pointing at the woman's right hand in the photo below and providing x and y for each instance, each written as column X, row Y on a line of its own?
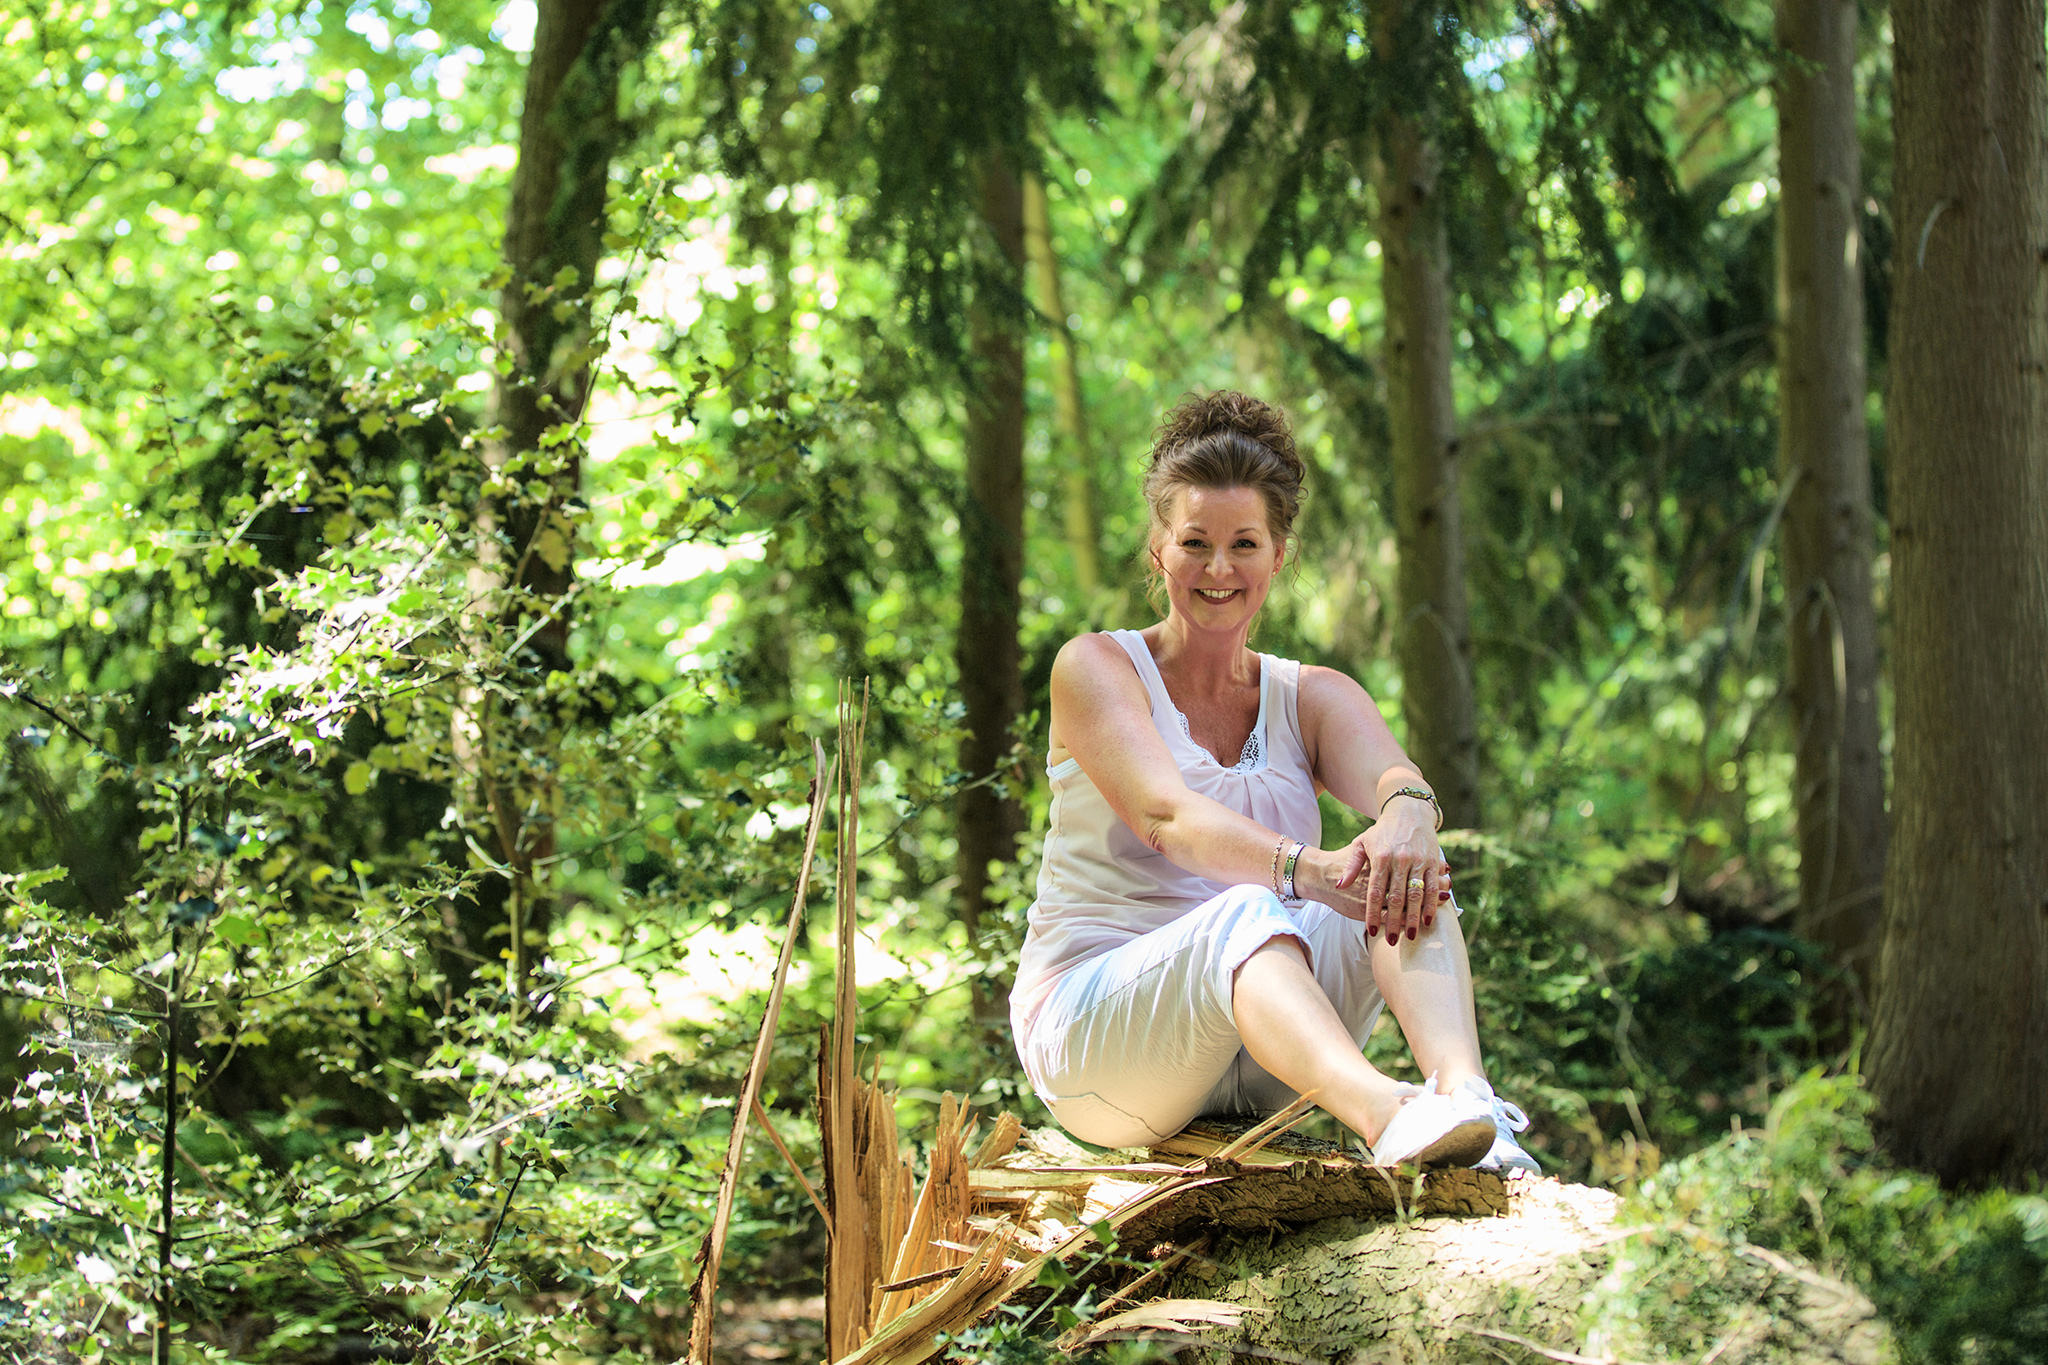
column 1342, row 879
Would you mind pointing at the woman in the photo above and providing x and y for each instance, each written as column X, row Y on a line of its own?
column 1193, row 950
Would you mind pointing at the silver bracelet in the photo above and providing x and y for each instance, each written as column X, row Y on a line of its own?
column 1287, row 891
column 1420, row 794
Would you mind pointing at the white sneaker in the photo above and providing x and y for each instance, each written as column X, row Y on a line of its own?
column 1506, row 1156
column 1435, row 1130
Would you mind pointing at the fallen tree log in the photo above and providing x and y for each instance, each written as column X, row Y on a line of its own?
column 1267, row 1243
column 1546, row 1280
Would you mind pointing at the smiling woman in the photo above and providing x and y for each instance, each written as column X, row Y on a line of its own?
column 1193, row 950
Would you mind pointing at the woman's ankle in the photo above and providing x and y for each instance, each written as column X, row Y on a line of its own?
column 1448, row 1076
column 1380, row 1106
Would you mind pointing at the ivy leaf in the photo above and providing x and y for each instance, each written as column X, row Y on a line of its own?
column 239, row 930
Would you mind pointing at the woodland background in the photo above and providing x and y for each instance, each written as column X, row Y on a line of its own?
column 453, row 453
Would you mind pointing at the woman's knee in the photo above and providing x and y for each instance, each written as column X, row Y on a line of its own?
column 1243, row 921
column 1249, row 903
column 1287, row 945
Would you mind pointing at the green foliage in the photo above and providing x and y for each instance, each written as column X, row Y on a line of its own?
column 383, row 1127
column 1958, row 1278
column 1068, row 1299
column 164, row 156
column 907, row 101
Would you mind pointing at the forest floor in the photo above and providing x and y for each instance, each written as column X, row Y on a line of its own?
column 769, row 1329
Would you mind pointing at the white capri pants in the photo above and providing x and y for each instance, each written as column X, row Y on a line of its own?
column 1134, row 1043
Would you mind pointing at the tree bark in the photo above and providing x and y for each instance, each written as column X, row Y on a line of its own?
column 1077, row 477
column 1831, row 623
column 554, row 238
column 992, row 553
column 1961, row 1022
column 1435, row 633
column 1455, row 1289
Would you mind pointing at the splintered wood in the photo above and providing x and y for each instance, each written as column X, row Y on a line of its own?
column 862, row 1184
column 982, row 1227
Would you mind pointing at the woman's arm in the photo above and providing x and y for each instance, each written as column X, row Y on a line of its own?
column 1356, row 758
column 1103, row 718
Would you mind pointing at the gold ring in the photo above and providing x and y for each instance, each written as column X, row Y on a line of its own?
column 1415, row 883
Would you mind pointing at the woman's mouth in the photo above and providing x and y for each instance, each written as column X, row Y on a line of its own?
column 1216, row 594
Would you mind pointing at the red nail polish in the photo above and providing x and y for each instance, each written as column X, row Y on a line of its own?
column 1443, row 895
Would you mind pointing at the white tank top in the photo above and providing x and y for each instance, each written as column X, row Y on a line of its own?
column 1100, row 885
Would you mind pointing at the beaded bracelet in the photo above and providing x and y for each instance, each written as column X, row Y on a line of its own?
column 1287, row 891
column 1278, row 849
column 1420, row 794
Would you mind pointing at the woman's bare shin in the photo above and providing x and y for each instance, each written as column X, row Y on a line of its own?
column 1292, row 1030
column 1427, row 983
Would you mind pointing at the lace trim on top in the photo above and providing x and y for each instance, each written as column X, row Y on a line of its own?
column 1249, row 760
column 1253, row 756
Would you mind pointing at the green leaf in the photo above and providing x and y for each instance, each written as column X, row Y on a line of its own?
column 239, row 930
column 356, row 780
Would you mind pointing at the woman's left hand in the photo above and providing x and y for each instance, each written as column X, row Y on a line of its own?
column 1407, row 879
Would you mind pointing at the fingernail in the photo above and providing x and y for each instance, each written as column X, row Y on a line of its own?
column 1411, row 936
column 1443, row 895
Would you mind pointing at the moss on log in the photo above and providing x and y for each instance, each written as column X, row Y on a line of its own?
column 1548, row 1280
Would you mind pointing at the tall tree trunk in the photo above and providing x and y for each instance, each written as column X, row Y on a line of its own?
column 1961, row 1022
column 554, row 238
column 1831, row 624
column 1435, row 634
column 1084, row 539
column 992, row 553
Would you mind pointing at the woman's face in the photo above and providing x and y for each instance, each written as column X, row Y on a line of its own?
column 1218, row 556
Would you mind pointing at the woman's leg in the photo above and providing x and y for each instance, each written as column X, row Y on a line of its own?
column 1427, row 983
column 1290, row 1028
column 1132, row 1044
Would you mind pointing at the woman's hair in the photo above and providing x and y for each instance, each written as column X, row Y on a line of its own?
column 1226, row 440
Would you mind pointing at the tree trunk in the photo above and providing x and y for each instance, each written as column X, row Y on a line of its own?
column 1435, row 632
column 992, row 554
column 1831, row 624
column 1084, row 539
column 554, row 238
column 1961, row 1021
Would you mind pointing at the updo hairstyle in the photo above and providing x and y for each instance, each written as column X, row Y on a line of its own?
column 1222, row 440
